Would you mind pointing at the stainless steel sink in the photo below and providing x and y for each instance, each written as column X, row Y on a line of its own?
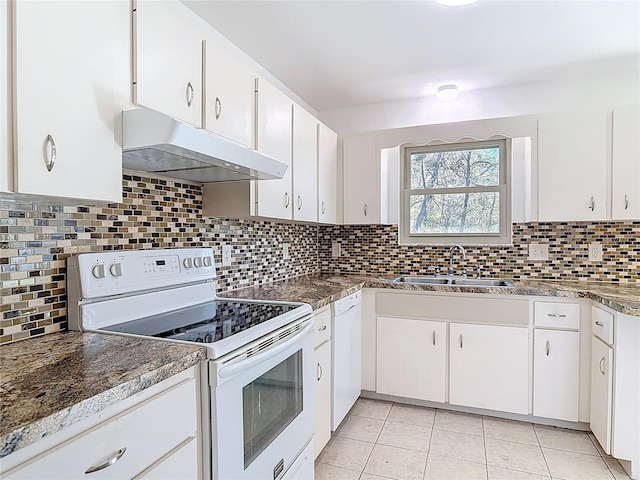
column 453, row 281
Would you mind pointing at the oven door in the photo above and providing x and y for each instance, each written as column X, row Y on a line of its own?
column 262, row 404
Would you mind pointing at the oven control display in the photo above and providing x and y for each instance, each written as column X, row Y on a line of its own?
column 157, row 266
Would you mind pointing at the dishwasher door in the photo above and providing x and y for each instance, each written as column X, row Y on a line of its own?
column 346, row 355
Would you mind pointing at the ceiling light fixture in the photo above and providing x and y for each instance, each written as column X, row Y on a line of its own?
column 446, row 93
column 456, row 3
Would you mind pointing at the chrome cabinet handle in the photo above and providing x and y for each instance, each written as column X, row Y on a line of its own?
column 322, row 328
column 218, row 108
column 593, row 205
column 433, row 336
column 601, row 365
column 626, row 202
column 460, row 340
column 556, row 315
column 365, row 209
column 110, row 461
column 299, row 202
column 600, row 324
column 50, row 152
column 190, row 94
column 286, row 200
column 323, row 208
column 319, row 369
column 548, row 347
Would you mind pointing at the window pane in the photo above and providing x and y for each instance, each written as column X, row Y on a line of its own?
column 458, row 168
column 455, row 213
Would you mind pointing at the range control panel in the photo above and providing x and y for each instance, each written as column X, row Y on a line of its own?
column 113, row 273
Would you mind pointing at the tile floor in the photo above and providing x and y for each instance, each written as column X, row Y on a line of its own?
column 384, row 440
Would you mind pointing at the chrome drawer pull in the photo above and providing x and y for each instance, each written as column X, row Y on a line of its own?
column 556, row 315
column 110, row 461
column 319, row 369
column 50, row 157
column 322, row 328
column 601, row 365
column 600, row 324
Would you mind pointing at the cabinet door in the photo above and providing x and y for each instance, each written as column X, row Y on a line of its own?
column 556, row 365
column 572, row 166
column 229, row 96
column 182, row 462
column 323, row 397
column 305, row 165
column 411, row 358
column 601, row 392
column 361, row 181
column 626, row 163
column 327, row 174
column 489, row 367
column 168, row 59
column 68, row 70
column 273, row 138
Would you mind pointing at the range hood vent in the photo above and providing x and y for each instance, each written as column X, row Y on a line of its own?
column 154, row 142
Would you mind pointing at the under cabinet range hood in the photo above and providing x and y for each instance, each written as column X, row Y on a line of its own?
column 154, row 142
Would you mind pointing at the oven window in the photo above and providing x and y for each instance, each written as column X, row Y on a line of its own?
column 270, row 403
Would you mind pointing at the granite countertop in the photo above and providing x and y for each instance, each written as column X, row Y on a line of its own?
column 319, row 290
column 50, row 382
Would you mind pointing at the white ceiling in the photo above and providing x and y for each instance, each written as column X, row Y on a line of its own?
column 336, row 54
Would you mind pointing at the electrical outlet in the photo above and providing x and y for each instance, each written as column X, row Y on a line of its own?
column 335, row 249
column 285, row 251
column 538, row 251
column 595, row 252
column 227, row 255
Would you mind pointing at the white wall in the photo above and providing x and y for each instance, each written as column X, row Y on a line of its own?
column 534, row 98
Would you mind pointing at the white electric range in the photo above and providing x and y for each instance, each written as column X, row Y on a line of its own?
column 260, row 367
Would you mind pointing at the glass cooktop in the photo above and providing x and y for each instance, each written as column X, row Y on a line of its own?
column 204, row 323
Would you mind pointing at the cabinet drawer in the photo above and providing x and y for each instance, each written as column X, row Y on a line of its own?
column 557, row 315
column 321, row 325
column 602, row 324
column 147, row 432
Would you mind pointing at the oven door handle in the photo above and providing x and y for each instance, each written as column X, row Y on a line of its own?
column 235, row 368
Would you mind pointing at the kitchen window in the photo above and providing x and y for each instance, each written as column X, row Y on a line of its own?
column 456, row 193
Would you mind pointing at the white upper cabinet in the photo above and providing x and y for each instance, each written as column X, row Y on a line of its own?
column 229, row 95
column 625, row 201
column 167, row 59
column 273, row 138
column 327, row 174
column 361, row 180
column 305, row 165
column 6, row 160
column 71, row 65
column 572, row 166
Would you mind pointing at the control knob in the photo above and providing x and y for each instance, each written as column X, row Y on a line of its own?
column 115, row 269
column 208, row 261
column 98, row 271
column 197, row 262
column 188, row 262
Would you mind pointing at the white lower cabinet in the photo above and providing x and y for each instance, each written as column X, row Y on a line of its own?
column 157, row 437
column 556, row 374
column 322, row 353
column 601, row 392
column 411, row 358
column 489, row 367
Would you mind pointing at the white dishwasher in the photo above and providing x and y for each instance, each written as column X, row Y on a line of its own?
column 346, row 355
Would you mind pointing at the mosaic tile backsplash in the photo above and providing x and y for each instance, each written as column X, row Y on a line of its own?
column 36, row 238
column 374, row 249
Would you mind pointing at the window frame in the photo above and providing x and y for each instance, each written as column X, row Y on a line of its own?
column 503, row 237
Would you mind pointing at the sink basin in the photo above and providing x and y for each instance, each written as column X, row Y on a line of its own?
column 453, row 281
column 422, row 279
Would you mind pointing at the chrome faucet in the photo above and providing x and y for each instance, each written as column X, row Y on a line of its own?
column 457, row 246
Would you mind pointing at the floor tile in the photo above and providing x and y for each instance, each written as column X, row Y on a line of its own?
column 396, row 463
column 457, row 445
column 402, row 435
column 365, row 407
column 515, row 456
column 368, row 476
column 458, row 422
column 324, row 471
column 616, row 469
column 360, row 428
column 498, row 473
column 411, row 415
column 576, row 466
column 509, row 430
column 564, row 439
column 446, row 468
column 346, row 453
